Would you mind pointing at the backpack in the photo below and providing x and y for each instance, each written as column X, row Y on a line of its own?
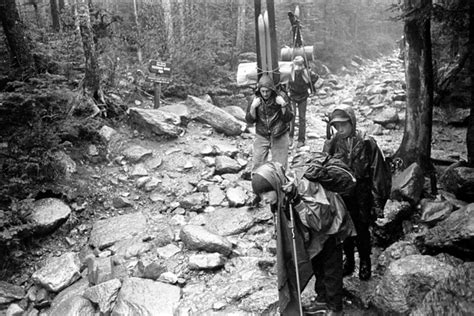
column 332, row 173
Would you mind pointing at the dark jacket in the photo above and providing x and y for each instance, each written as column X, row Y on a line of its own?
column 362, row 154
column 270, row 120
column 300, row 82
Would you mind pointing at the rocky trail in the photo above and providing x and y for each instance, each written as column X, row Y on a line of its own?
column 172, row 230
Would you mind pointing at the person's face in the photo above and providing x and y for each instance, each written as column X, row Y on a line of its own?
column 344, row 129
column 265, row 92
column 269, row 197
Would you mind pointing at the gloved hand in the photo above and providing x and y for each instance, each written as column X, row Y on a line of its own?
column 291, row 192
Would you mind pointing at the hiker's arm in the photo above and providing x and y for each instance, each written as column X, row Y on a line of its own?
column 251, row 115
column 381, row 176
column 285, row 108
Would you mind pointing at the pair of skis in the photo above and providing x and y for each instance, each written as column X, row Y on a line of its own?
column 265, row 47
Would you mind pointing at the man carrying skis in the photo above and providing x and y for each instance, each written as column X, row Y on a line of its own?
column 311, row 225
column 301, row 82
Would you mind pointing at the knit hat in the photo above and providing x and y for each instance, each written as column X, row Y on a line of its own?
column 298, row 63
column 339, row 116
column 260, row 184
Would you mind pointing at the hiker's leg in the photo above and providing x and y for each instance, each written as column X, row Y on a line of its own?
column 279, row 150
column 292, row 123
column 364, row 247
column 318, row 268
column 302, row 121
column 333, row 274
column 261, row 147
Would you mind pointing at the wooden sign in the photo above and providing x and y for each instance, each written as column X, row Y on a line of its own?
column 157, row 79
column 160, row 72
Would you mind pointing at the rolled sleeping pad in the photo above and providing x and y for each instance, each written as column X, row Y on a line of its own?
column 289, row 53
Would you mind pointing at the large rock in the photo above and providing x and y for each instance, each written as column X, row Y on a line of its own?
column 156, row 121
column 199, row 238
column 76, row 289
column 408, row 185
column 455, row 234
column 236, row 112
column 10, row 292
column 73, row 306
column 451, row 296
column 108, row 231
column 48, row 214
column 459, row 179
column 219, row 119
column 225, row 164
column 206, row 261
column 435, row 211
column 144, row 297
column 104, row 295
column 407, row 281
column 228, row 221
column 58, row 272
column 389, row 228
column 136, row 153
column 394, row 252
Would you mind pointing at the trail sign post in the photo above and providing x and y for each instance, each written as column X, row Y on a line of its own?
column 160, row 72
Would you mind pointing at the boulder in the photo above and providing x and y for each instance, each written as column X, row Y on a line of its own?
column 235, row 111
column 459, row 179
column 58, row 272
column 229, row 221
column 48, row 214
column 10, row 292
column 451, row 296
column 199, row 238
column 107, row 232
column 225, row 164
column 435, row 211
column 219, row 119
column 455, row 234
column 156, row 122
column 206, row 261
column 136, row 153
column 104, row 295
column 408, row 184
column 394, row 252
column 144, row 297
column 73, row 306
column 407, row 281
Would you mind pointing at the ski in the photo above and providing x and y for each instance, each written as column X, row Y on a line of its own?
column 262, row 44
column 268, row 45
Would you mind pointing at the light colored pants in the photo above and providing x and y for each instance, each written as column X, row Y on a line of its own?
column 277, row 147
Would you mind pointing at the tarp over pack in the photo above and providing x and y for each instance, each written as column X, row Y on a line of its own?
column 247, row 73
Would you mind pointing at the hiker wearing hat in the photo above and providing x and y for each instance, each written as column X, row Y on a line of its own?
column 311, row 224
column 272, row 116
column 302, row 81
column 362, row 154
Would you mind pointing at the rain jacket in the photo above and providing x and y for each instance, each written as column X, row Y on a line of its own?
column 270, row 120
column 315, row 220
column 362, row 154
column 301, row 81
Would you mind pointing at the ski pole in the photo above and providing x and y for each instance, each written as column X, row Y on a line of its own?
column 295, row 258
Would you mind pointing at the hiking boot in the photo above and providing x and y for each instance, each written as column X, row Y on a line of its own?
column 300, row 144
column 365, row 270
column 316, row 308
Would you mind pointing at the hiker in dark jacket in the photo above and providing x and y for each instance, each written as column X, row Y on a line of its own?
column 271, row 115
column 362, row 154
column 321, row 223
column 301, row 82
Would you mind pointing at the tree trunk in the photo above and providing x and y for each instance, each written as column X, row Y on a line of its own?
column 19, row 44
column 470, row 126
column 241, row 22
column 169, row 24
column 182, row 25
column 416, row 142
column 92, row 79
column 54, row 15
column 38, row 15
column 137, row 25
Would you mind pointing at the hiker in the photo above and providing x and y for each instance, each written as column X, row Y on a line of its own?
column 271, row 115
column 320, row 224
column 373, row 182
column 302, row 79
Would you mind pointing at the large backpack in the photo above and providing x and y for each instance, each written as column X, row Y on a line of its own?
column 332, row 173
